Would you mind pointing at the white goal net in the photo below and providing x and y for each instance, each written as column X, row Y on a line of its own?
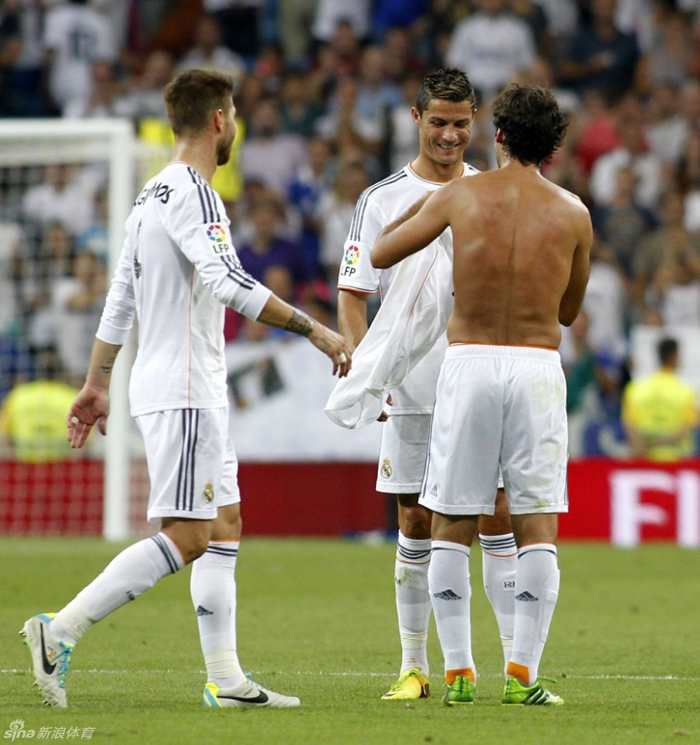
column 66, row 188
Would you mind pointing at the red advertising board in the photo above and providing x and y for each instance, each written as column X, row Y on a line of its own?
column 625, row 503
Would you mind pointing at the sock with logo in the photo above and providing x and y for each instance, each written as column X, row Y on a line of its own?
column 448, row 580
column 536, row 593
column 413, row 601
column 500, row 561
column 132, row 572
column 213, row 591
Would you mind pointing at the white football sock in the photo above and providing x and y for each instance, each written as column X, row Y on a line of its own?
column 450, row 593
column 413, row 600
column 132, row 572
column 499, row 555
column 536, row 593
column 213, row 591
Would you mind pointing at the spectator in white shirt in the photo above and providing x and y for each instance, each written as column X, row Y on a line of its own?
column 208, row 53
column 75, row 36
column 491, row 46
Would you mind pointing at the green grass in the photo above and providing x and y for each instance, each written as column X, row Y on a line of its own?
column 317, row 619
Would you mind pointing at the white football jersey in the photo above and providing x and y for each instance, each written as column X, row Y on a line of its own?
column 177, row 270
column 377, row 207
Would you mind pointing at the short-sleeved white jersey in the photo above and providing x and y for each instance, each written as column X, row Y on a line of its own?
column 177, row 270
column 378, row 206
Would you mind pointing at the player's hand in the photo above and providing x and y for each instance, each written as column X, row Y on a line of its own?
column 385, row 414
column 334, row 346
column 90, row 407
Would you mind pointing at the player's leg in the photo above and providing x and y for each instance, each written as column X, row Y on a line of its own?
column 52, row 638
column 176, row 446
column 499, row 554
column 401, row 467
column 213, row 592
column 460, row 484
column 534, row 468
column 450, row 590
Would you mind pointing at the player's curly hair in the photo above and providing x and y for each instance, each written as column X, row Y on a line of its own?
column 447, row 84
column 193, row 96
column 532, row 123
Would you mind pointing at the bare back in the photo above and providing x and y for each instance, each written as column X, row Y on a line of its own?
column 521, row 253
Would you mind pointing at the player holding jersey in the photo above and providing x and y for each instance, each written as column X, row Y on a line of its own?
column 177, row 271
column 444, row 114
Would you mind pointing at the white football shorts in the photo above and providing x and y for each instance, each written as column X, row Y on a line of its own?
column 498, row 404
column 403, row 453
column 192, row 465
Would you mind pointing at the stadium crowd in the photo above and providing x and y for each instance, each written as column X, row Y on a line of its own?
column 324, row 90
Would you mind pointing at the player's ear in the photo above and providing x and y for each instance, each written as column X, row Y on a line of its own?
column 415, row 114
column 219, row 120
column 499, row 135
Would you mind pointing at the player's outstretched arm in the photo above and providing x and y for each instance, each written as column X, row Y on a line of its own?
column 420, row 225
column 283, row 316
column 91, row 405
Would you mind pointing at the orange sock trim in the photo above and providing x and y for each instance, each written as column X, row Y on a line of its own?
column 520, row 672
column 466, row 672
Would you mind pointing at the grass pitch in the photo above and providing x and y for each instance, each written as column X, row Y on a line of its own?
column 317, row 619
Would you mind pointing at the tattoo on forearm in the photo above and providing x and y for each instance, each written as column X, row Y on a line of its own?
column 300, row 324
column 109, row 364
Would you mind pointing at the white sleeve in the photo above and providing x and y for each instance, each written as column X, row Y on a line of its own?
column 54, row 33
column 120, row 306
column 201, row 230
column 356, row 271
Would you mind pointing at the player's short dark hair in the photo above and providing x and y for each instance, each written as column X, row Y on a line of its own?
column 532, row 123
column 446, row 84
column 193, row 96
column 667, row 349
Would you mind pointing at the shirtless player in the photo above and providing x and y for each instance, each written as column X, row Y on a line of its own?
column 521, row 262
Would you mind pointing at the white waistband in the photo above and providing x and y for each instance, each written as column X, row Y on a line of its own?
column 503, row 351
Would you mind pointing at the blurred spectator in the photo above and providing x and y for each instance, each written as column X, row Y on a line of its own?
column 403, row 132
column 600, row 55
column 335, row 213
column 675, row 290
column 144, row 96
column 269, row 66
column 660, row 411
column 330, row 14
column 375, row 95
column 605, row 306
column 344, row 112
column 267, row 251
column 33, row 419
column 562, row 17
column 11, row 244
column 298, row 112
column 103, row 99
column 65, row 197
column 689, row 180
column 269, row 155
column 623, row 223
column 240, row 22
column 634, row 155
column 75, row 37
column 306, row 191
column 208, row 53
column 491, row 45
column 346, row 44
column 321, row 81
column 10, row 50
column 663, row 246
column 533, row 15
column 399, row 56
column 598, row 134
column 296, row 20
column 671, row 56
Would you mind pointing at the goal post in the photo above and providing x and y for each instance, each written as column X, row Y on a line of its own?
column 26, row 147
